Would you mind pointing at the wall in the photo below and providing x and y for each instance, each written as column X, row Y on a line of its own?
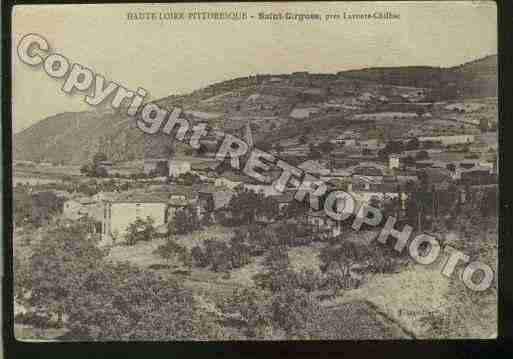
column 71, row 208
column 176, row 168
column 120, row 215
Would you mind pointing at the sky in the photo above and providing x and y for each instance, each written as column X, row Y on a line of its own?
column 176, row 57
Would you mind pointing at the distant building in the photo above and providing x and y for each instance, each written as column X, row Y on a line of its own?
column 449, row 140
column 162, row 206
column 150, row 164
column 275, row 79
column 394, row 161
column 177, row 167
column 301, row 113
column 119, row 213
column 475, row 171
column 79, row 207
column 371, row 144
column 106, row 164
column 314, row 167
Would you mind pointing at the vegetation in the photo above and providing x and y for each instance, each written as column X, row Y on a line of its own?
column 67, row 276
column 185, row 221
column 140, row 230
column 35, row 209
column 171, row 249
column 95, row 168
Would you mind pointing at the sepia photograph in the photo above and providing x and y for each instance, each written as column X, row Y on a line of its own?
column 255, row 171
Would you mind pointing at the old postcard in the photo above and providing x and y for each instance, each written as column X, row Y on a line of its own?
column 255, row 171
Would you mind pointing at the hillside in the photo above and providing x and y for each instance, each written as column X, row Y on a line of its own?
column 265, row 100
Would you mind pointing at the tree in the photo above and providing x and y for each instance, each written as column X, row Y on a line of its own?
column 217, row 254
column 100, row 171
column 58, row 268
column 245, row 205
column 185, row 221
column 422, row 155
column 239, row 252
column 295, row 209
column 140, row 230
column 252, row 308
column 170, row 249
column 338, row 259
column 451, row 167
column 86, row 169
column 161, row 169
column 315, row 154
column 484, row 125
column 99, row 300
column 188, row 179
column 297, row 313
column 488, row 205
column 412, row 144
column 199, row 257
column 326, row 147
column 35, row 209
column 277, row 275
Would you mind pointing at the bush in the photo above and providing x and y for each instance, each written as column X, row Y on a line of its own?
column 140, row 230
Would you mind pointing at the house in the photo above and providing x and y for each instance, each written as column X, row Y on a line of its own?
column 221, row 204
column 205, row 202
column 314, row 167
column 150, row 164
column 436, row 175
column 371, row 144
column 474, row 171
column 178, row 167
column 347, row 138
column 103, row 196
column 106, row 164
column 229, row 179
column 63, row 194
column 283, row 201
column 369, row 169
column 119, row 213
column 448, row 140
column 322, row 225
column 349, row 142
column 301, row 113
column 366, row 97
column 161, row 206
column 76, row 208
column 394, row 161
column 365, row 191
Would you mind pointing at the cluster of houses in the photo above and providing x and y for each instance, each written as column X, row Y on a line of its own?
column 114, row 212
column 363, row 180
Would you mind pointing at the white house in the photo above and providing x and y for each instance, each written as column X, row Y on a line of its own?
column 345, row 141
column 162, row 206
column 119, row 213
column 76, row 208
column 178, row 167
column 394, row 161
column 449, row 140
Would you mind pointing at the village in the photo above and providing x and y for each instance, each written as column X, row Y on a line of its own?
column 431, row 164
